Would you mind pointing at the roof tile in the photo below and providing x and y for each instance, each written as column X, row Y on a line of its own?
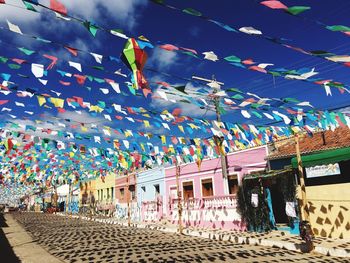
column 339, row 138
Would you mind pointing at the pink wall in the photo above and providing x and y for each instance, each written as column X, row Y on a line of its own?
column 220, row 210
column 122, row 182
column 239, row 163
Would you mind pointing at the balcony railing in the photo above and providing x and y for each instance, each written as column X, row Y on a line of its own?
column 210, row 202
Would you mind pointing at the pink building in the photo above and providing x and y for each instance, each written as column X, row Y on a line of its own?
column 209, row 200
column 125, row 190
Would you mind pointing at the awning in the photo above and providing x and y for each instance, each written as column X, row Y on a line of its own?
column 267, row 174
column 325, row 157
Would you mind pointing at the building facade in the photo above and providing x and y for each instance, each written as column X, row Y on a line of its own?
column 125, row 194
column 87, row 197
column 326, row 165
column 208, row 199
column 150, row 190
column 105, row 194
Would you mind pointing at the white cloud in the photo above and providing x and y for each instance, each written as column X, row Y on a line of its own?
column 44, row 125
column 122, row 11
column 16, row 15
column 345, row 110
column 84, row 117
column 122, row 14
column 163, row 59
column 188, row 109
column 154, row 130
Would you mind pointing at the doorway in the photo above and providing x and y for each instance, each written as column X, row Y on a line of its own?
column 278, row 204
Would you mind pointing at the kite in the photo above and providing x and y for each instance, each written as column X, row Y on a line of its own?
column 135, row 59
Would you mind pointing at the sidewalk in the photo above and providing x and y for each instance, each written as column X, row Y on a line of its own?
column 325, row 246
column 23, row 245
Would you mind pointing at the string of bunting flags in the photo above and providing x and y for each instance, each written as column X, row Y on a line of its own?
column 41, row 144
column 250, row 64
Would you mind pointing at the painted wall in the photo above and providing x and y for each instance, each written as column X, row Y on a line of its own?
column 121, row 211
column 102, row 186
column 220, row 210
column 330, row 209
column 151, row 204
column 329, row 201
column 122, row 183
column 87, row 191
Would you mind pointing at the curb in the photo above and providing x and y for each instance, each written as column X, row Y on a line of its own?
column 335, row 252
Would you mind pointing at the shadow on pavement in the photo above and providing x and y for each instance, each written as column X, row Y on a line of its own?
column 7, row 254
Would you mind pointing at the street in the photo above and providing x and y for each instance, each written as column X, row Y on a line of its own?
column 74, row 240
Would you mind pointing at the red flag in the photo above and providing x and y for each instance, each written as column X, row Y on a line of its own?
column 19, row 61
column 72, row 50
column 146, row 91
column 8, row 145
column 274, row 4
column 57, row 7
column 65, row 83
column 53, row 61
column 80, row 79
column 2, row 102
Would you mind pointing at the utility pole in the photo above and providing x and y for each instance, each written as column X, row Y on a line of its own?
column 306, row 230
column 216, row 86
column 68, row 198
column 128, row 199
column 179, row 199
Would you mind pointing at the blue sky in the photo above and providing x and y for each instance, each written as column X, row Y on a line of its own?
column 159, row 24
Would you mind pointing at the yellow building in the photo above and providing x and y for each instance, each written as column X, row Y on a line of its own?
column 326, row 166
column 87, row 193
column 329, row 207
column 105, row 192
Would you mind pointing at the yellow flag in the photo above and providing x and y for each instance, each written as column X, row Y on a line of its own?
column 197, row 141
column 163, row 138
column 142, row 147
column 193, row 126
column 181, row 128
column 96, row 108
column 59, row 103
column 146, row 123
column 41, row 100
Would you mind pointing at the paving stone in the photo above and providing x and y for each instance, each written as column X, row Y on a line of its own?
column 76, row 240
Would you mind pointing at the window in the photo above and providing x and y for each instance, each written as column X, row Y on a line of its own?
column 232, row 184
column 207, row 187
column 156, row 189
column 143, row 188
column 121, row 191
column 187, row 190
column 112, row 193
column 173, row 192
column 98, row 194
column 108, row 196
column 132, row 191
column 101, row 194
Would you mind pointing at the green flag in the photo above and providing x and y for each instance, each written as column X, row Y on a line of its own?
column 192, row 12
column 29, row 6
column 296, row 10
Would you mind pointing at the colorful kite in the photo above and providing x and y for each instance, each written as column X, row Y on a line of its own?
column 135, row 59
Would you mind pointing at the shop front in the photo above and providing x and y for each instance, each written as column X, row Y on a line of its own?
column 327, row 181
column 267, row 201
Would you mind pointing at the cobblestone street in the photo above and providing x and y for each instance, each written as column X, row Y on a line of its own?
column 74, row 240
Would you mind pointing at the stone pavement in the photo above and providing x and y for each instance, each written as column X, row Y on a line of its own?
column 77, row 240
column 21, row 246
column 325, row 246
